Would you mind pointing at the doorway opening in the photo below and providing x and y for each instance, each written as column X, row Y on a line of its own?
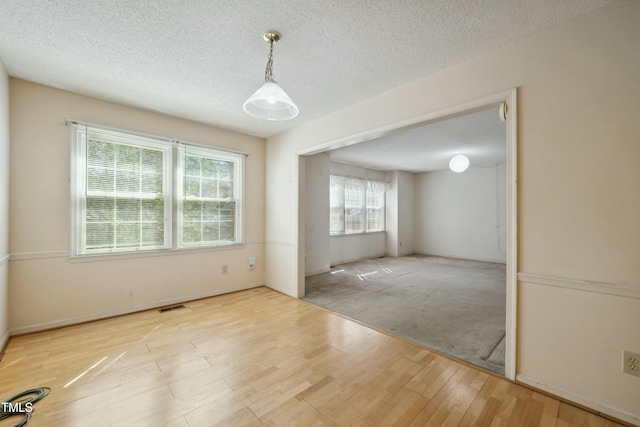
column 434, row 218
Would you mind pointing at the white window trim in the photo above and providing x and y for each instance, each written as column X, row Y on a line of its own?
column 238, row 187
column 171, row 231
column 344, row 231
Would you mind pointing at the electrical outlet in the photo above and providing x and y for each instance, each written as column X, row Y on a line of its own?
column 631, row 363
column 225, row 269
column 252, row 263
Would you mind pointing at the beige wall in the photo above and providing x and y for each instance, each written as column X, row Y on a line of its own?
column 405, row 213
column 578, row 206
column 47, row 288
column 4, row 205
column 399, row 213
column 316, row 192
column 462, row 215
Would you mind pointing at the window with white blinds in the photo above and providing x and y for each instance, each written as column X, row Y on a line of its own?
column 209, row 200
column 336, row 205
column 375, row 205
column 356, row 205
column 354, row 213
column 126, row 190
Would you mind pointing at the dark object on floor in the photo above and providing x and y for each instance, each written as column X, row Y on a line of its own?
column 14, row 406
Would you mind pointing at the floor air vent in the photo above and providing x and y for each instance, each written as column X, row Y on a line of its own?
column 173, row 307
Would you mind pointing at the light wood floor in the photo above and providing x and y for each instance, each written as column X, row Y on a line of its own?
column 257, row 358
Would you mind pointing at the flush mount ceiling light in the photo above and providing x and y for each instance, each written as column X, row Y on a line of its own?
column 270, row 102
column 459, row 163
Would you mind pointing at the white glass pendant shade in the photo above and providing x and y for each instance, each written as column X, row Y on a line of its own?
column 270, row 102
column 459, row 163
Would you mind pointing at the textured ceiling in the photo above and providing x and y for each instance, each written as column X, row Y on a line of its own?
column 480, row 136
column 201, row 59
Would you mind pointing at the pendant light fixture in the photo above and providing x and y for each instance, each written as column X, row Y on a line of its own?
column 270, row 102
column 459, row 163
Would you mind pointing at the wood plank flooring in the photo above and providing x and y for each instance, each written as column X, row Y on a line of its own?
column 256, row 358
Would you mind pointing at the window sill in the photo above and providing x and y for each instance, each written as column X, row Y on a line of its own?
column 364, row 233
column 153, row 253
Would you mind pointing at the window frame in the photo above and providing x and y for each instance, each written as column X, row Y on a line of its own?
column 181, row 197
column 355, row 189
column 173, row 174
column 370, row 187
column 365, row 184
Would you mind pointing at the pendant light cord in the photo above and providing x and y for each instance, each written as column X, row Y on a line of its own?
column 268, row 73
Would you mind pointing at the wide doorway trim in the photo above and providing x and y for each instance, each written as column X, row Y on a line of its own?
column 510, row 99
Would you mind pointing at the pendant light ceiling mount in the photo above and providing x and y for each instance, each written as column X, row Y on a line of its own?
column 270, row 101
column 271, row 36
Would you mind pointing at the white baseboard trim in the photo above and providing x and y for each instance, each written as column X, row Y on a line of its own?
column 580, row 285
column 347, row 261
column 313, row 273
column 495, row 261
column 150, row 306
column 581, row 400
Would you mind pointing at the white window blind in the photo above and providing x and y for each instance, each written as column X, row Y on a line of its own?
column 123, row 194
column 122, row 198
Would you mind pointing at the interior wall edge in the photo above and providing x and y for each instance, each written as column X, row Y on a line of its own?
column 580, row 400
column 282, row 290
column 129, row 310
column 3, row 342
column 4, row 259
column 580, row 285
column 281, row 270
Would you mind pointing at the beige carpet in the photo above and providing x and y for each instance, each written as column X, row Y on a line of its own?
column 454, row 306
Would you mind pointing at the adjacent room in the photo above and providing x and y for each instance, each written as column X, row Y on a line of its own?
column 216, row 213
column 415, row 248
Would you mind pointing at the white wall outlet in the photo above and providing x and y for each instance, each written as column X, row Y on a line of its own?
column 631, row 363
column 252, row 263
column 225, row 269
